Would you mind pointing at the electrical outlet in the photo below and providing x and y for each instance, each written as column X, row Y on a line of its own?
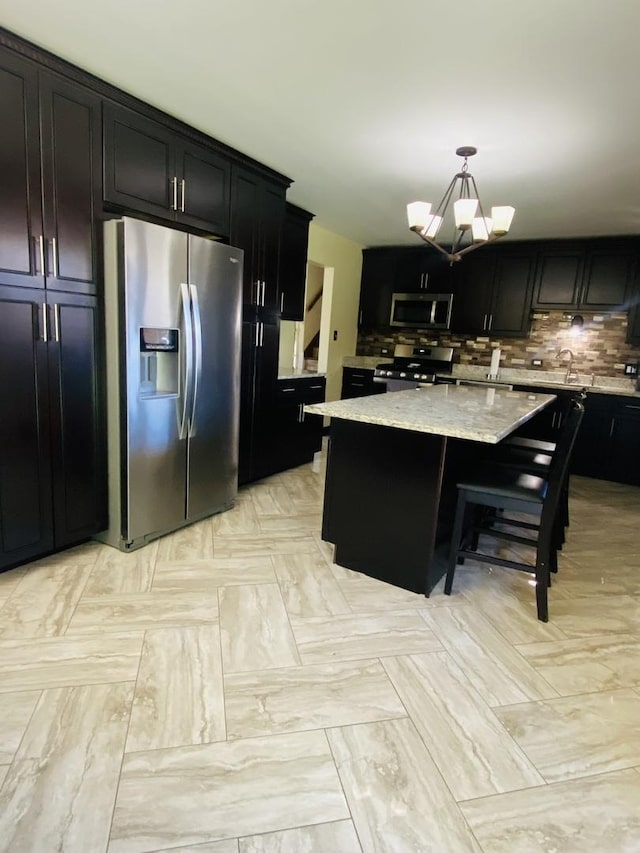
column 536, row 362
column 631, row 368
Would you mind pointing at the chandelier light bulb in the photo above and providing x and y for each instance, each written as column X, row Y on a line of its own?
column 502, row 218
column 481, row 228
column 432, row 227
column 418, row 214
column 464, row 209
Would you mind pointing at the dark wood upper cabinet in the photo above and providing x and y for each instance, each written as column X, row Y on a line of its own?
column 271, row 220
column 492, row 291
column 512, row 288
column 472, row 296
column 138, row 163
column 150, row 169
column 293, row 262
column 609, row 274
column 50, row 160
column 71, row 173
column 257, row 216
column 246, row 190
column 633, row 329
column 20, row 197
column 593, row 274
column 205, row 188
column 559, row 275
column 376, row 288
column 421, row 269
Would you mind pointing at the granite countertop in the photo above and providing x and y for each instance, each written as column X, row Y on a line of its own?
column 292, row 373
column 519, row 376
column 476, row 414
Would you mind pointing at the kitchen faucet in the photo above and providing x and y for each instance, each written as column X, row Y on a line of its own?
column 570, row 375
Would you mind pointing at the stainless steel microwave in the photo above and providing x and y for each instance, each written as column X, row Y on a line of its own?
column 421, row 310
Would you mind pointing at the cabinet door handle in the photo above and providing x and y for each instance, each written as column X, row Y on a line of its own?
column 261, row 334
column 484, row 323
column 490, row 322
column 183, row 187
column 312, row 387
column 54, row 252
column 56, row 323
column 287, row 390
column 40, row 254
column 174, row 193
column 264, row 291
column 45, row 324
column 360, row 319
column 629, row 406
column 257, row 335
column 282, row 302
column 612, row 427
column 553, row 420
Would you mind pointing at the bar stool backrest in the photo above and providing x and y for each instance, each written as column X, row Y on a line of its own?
column 560, row 462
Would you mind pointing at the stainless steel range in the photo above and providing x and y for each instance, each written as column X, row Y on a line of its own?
column 414, row 367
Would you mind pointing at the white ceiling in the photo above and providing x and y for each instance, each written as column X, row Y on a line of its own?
column 363, row 102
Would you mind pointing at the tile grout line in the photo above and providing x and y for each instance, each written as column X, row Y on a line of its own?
column 124, row 745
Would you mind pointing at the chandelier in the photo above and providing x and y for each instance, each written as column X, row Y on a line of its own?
column 472, row 228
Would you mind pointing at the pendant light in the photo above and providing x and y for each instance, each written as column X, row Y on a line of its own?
column 468, row 214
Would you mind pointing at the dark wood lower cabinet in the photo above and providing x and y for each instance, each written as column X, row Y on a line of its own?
column 260, row 342
column 608, row 444
column 296, row 436
column 26, row 513
column 358, row 382
column 275, row 434
column 77, row 420
column 52, row 463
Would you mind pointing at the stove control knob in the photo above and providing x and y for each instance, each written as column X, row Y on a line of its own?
column 389, row 373
column 403, row 375
column 416, row 376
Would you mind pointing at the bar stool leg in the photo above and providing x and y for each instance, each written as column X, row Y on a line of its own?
column 456, row 537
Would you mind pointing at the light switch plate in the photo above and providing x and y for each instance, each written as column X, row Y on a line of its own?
column 536, row 362
column 631, row 368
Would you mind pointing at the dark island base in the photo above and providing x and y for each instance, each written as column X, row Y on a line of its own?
column 389, row 501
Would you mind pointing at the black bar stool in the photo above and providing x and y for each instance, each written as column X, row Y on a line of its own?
column 533, row 456
column 507, row 488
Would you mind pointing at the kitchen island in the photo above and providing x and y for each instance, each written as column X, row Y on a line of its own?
column 393, row 463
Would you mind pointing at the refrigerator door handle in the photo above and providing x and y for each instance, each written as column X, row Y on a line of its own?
column 188, row 359
column 197, row 338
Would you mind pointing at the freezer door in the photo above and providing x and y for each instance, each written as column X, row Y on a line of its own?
column 215, row 283
column 154, row 260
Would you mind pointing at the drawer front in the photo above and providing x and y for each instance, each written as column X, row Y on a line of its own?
column 310, row 390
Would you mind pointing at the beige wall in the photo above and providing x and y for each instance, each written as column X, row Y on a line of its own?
column 342, row 260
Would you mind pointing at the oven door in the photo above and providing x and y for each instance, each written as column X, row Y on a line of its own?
column 421, row 310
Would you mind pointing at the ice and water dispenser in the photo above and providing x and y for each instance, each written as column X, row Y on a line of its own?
column 159, row 367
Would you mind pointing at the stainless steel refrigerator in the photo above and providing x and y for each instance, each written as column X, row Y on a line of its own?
column 173, row 325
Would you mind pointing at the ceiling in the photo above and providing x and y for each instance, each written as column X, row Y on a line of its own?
column 363, row 104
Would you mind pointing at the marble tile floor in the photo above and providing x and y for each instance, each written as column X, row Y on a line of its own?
column 228, row 689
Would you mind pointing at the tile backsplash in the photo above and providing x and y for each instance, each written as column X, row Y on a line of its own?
column 599, row 347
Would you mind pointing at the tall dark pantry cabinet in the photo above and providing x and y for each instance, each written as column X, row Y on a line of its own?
column 52, row 491
column 257, row 216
